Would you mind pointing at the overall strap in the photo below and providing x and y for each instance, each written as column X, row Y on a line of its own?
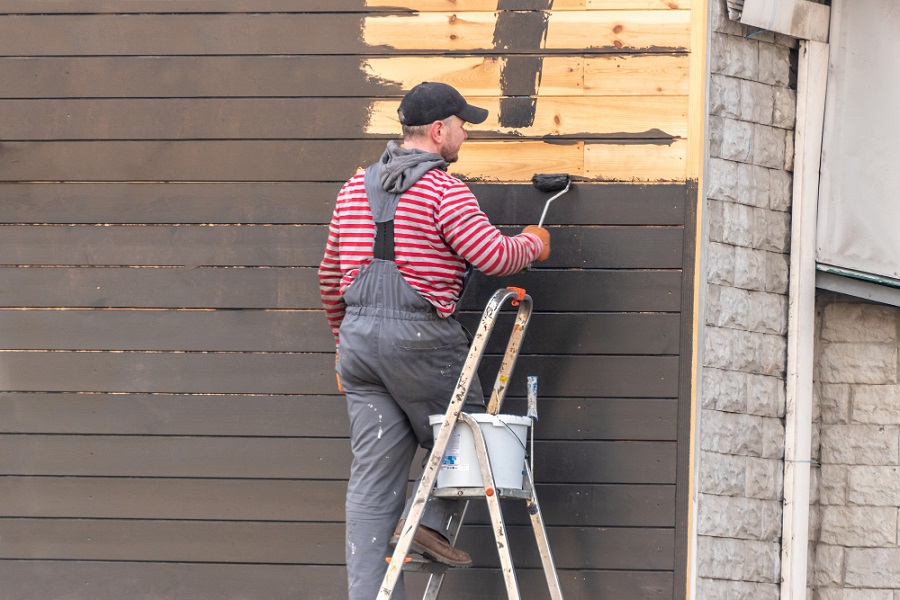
column 383, row 205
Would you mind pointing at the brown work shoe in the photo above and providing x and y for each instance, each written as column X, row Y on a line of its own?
column 432, row 545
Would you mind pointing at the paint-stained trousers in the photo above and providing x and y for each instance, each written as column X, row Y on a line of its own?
column 399, row 363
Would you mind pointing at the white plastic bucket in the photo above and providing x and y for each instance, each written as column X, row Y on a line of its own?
column 505, row 437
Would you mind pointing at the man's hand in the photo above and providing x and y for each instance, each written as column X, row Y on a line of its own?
column 545, row 237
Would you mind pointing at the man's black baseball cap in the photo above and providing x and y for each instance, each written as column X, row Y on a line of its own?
column 431, row 101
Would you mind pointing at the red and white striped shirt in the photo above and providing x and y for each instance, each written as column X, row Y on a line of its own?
column 438, row 226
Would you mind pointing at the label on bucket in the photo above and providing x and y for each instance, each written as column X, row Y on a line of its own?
column 451, row 457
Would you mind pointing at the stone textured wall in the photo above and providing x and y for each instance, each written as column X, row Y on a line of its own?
column 857, row 382
column 752, row 104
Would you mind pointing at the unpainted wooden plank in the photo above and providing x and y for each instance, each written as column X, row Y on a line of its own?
column 636, row 4
column 631, row 162
column 85, row 580
column 586, row 117
column 286, row 6
column 647, row 74
column 308, row 331
column 303, row 500
column 608, row 31
column 564, row 462
column 276, row 543
column 296, row 288
column 305, row 6
column 322, row 33
column 328, row 160
column 478, row 75
column 301, row 416
column 298, row 246
column 285, row 203
column 284, row 373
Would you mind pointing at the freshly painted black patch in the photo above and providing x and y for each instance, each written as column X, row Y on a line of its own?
column 520, row 75
column 517, row 111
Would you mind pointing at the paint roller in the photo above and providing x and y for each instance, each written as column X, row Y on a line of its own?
column 548, row 183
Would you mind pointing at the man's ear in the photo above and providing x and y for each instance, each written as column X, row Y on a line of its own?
column 437, row 132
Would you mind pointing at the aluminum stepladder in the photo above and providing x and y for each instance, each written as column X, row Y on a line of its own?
column 400, row 561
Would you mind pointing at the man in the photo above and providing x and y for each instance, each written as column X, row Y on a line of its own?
column 399, row 242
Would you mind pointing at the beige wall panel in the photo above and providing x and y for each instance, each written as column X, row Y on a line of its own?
column 517, row 161
column 566, row 30
column 468, row 5
column 651, row 74
column 475, row 75
column 612, row 116
column 636, row 162
column 479, row 5
column 636, row 4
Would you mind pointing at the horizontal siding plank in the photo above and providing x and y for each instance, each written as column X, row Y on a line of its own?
column 652, row 74
column 84, row 580
column 631, row 162
column 264, row 6
column 578, row 548
column 239, row 373
column 318, row 33
column 288, row 203
column 588, row 117
column 582, row 290
column 276, row 118
column 285, row 500
column 304, row 77
column 327, row 160
column 175, row 415
column 611, row 31
column 300, row 246
column 306, row 416
column 279, row 458
column 308, row 331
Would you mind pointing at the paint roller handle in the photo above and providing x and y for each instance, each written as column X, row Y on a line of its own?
column 544, row 235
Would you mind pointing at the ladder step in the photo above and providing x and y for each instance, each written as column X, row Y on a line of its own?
column 418, row 564
column 477, row 492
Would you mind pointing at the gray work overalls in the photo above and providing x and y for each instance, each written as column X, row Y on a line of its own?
column 399, row 363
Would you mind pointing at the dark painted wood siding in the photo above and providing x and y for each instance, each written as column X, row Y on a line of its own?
column 169, row 424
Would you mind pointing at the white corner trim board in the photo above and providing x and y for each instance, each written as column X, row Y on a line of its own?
column 811, row 78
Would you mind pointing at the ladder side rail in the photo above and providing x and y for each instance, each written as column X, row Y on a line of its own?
column 493, row 503
column 540, row 536
column 501, row 384
column 429, row 475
